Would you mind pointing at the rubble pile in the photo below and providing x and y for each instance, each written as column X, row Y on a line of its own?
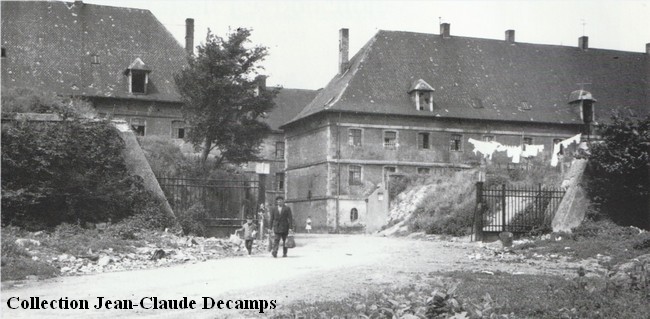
column 175, row 250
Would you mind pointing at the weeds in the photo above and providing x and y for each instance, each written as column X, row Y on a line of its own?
column 476, row 295
column 448, row 208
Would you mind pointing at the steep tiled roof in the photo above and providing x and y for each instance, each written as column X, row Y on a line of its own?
column 50, row 46
column 484, row 79
column 288, row 103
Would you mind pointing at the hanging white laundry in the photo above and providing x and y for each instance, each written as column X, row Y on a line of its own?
column 532, row 150
column 485, row 148
column 565, row 143
column 514, row 152
column 556, row 150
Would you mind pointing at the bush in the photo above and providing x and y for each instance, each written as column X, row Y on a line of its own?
column 26, row 100
column 70, row 171
column 618, row 169
column 164, row 156
column 191, row 221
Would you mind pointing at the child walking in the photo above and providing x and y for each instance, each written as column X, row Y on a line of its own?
column 250, row 231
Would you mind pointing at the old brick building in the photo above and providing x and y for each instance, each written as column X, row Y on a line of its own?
column 122, row 60
column 410, row 103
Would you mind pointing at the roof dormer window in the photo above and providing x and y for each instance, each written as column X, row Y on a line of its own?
column 422, row 95
column 584, row 101
column 138, row 75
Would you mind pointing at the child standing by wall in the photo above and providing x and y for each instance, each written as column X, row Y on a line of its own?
column 308, row 226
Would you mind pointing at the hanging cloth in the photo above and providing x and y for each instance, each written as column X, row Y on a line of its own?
column 485, row 148
column 563, row 145
column 532, row 150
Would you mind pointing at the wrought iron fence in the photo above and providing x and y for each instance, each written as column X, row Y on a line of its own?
column 222, row 199
column 515, row 209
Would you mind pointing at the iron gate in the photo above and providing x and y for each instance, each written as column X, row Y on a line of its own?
column 227, row 202
column 515, row 209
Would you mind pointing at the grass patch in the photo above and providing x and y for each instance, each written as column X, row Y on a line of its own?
column 17, row 263
column 448, row 206
column 17, row 268
column 594, row 238
column 476, row 295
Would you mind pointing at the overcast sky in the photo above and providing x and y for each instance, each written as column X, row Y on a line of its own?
column 303, row 35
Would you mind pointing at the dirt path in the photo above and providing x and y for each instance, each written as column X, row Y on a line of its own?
column 322, row 267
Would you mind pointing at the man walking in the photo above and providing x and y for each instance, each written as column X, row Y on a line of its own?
column 281, row 223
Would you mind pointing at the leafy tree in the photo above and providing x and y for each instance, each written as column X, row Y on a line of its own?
column 620, row 170
column 68, row 171
column 222, row 103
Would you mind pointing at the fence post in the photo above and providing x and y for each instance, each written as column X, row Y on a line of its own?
column 540, row 202
column 478, row 213
column 503, row 207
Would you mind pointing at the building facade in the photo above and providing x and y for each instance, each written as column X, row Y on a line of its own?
column 122, row 60
column 411, row 103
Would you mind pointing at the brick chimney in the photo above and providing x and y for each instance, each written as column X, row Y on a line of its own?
column 583, row 42
column 189, row 36
column 445, row 30
column 647, row 48
column 344, row 48
column 510, row 36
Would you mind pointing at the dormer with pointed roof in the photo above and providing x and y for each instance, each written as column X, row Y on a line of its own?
column 138, row 74
column 583, row 101
column 422, row 95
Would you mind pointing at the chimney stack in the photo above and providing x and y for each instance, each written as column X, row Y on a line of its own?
column 510, row 36
column 189, row 36
column 583, row 42
column 344, row 47
column 445, row 30
column 647, row 48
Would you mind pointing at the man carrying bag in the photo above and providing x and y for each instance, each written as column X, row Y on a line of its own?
column 281, row 223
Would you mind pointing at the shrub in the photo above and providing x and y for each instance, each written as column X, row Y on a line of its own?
column 397, row 184
column 618, row 170
column 26, row 100
column 164, row 156
column 191, row 221
column 70, row 171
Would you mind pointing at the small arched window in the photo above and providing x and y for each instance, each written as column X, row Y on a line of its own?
column 354, row 214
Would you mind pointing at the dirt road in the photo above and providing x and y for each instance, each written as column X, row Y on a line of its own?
column 322, row 267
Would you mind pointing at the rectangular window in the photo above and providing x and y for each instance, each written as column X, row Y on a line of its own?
column 456, row 143
column 279, row 182
column 178, row 129
column 279, row 150
column 138, row 126
column 424, row 170
column 354, row 137
column 423, row 141
column 4, row 53
column 94, row 59
column 488, row 138
column 354, row 175
column 138, row 82
column 390, row 140
column 420, row 100
column 527, row 141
